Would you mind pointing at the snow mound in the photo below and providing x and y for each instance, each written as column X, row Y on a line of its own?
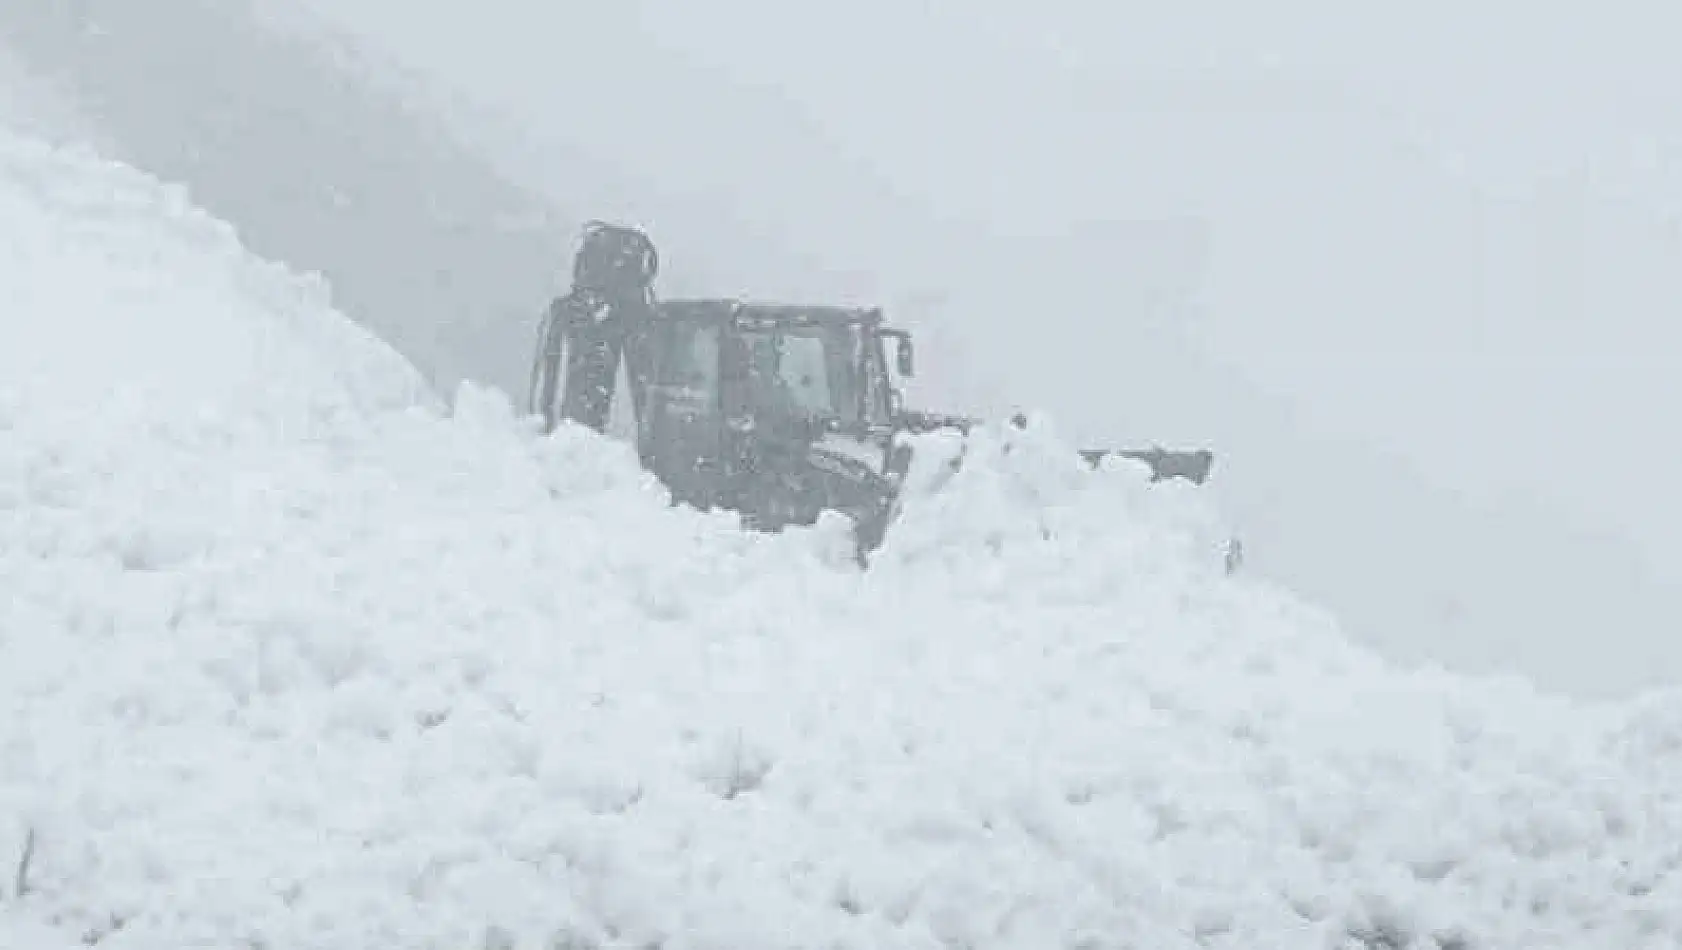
column 294, row 657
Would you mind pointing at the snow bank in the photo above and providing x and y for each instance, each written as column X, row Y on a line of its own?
column 291, row 657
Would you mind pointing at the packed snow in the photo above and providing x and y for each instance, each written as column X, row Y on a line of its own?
column 294, row 656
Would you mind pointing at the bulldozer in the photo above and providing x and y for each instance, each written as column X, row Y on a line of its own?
column 777, row 412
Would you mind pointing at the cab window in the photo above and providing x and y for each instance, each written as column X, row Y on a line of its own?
column 803, row 371
column 689, row 364
column 877, row 406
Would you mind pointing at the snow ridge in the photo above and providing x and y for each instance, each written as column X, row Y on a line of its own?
column 292, row 656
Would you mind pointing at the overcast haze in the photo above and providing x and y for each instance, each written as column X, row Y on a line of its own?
column 1415, row 276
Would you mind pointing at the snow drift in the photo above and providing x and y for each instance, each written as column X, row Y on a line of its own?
column 291, row 656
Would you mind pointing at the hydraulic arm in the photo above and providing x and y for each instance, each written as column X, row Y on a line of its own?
column 602, row 319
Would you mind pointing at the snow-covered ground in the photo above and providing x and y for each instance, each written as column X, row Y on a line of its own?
column 293, row 657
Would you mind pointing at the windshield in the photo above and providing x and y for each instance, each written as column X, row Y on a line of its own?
column 804, row 370
column 688, row 368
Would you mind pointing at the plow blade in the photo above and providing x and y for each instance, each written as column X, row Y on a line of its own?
column 1192, row 465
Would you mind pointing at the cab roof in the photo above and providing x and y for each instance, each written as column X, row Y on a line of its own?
column 741, row 311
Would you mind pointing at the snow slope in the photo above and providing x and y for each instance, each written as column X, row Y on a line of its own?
column 423, row 244
column 292, row 657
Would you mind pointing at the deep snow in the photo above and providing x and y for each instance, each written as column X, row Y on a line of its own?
column 293, row 657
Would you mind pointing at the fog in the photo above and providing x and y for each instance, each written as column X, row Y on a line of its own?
column 1415, row 276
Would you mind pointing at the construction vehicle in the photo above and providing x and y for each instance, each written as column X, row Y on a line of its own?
column 777, row 412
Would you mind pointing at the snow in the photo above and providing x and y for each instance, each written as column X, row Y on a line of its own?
column 294, row 656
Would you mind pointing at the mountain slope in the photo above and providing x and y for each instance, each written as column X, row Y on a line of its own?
column 294, row 657
column 420, row 241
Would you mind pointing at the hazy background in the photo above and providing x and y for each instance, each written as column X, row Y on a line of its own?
column 1416, row 276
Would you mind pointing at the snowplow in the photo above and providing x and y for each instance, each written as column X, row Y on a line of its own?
column 777, row 412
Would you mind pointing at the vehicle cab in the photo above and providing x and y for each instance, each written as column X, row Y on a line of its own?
column 744, row 393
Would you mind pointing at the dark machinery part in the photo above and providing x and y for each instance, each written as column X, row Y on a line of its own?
column 776, row 412
column 1193, row 465
column 595, row 325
